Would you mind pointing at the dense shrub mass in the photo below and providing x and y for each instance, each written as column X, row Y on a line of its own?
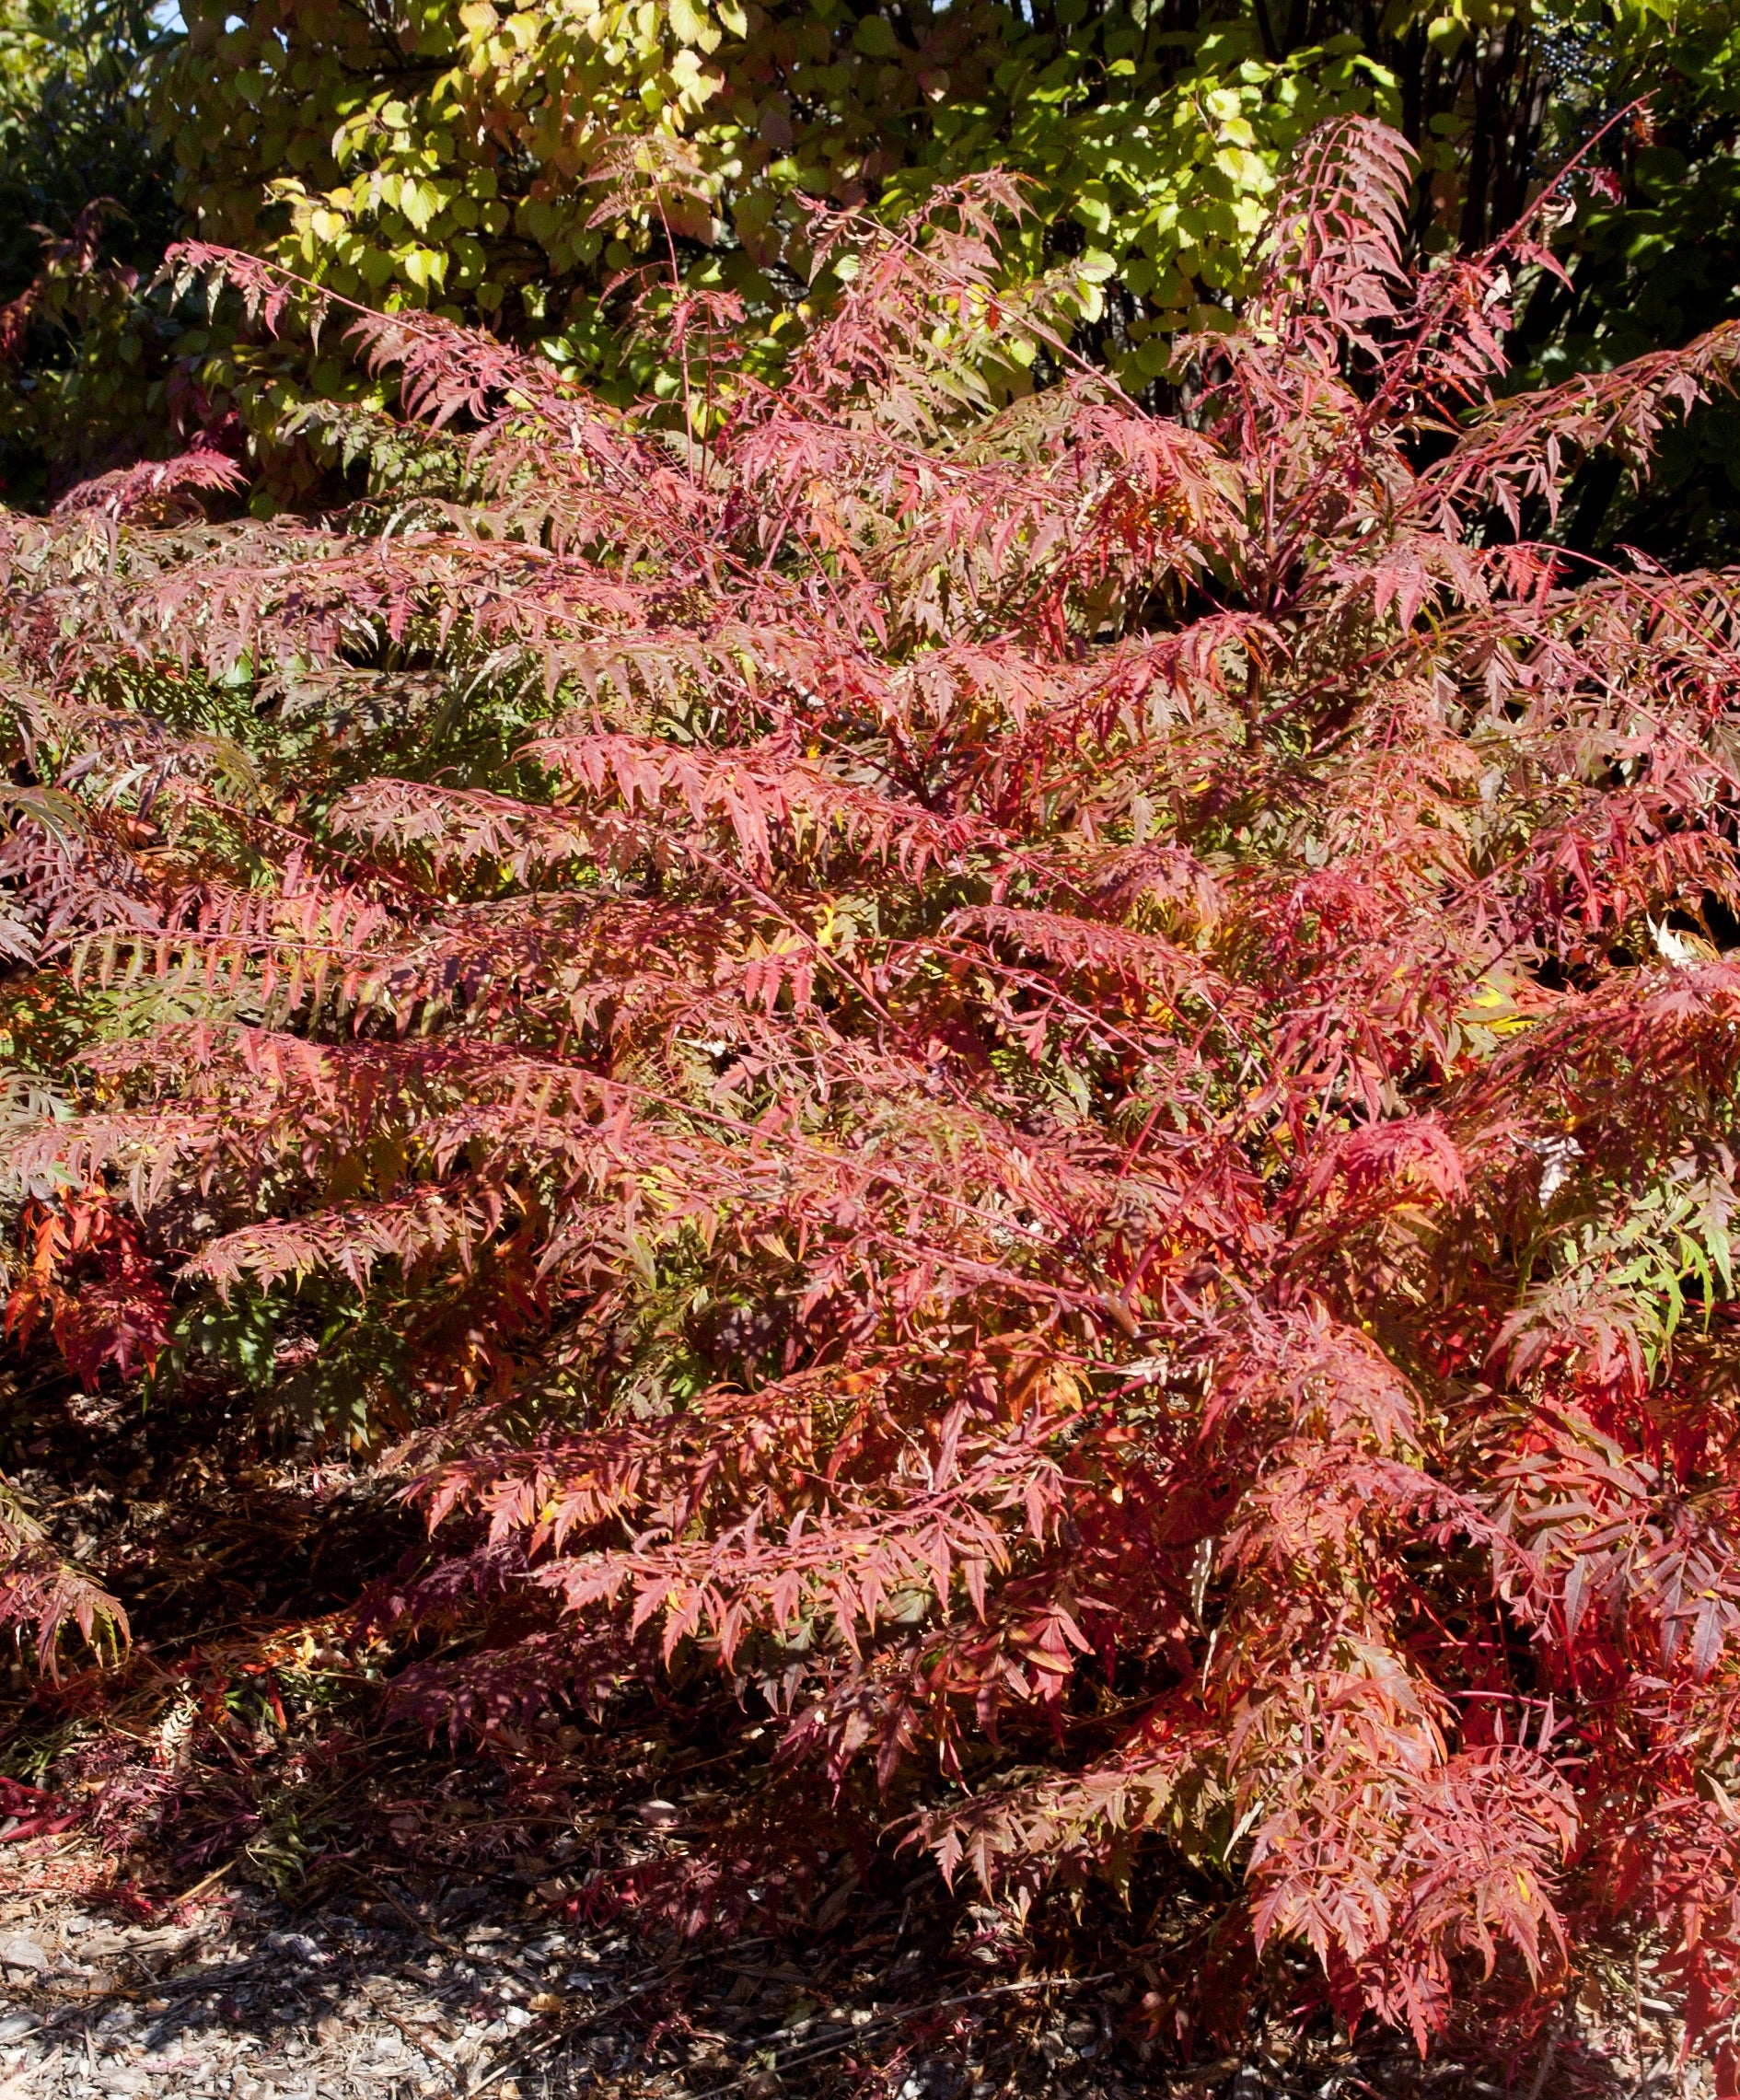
column 1046, row 1090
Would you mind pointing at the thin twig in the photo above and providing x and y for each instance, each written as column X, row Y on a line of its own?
column 411, row 1919
column 592, row 2018
column 1637, row 2010
column 415, row 2035
column 909, row 2012
column 1544, row 2070
column 199, row 1888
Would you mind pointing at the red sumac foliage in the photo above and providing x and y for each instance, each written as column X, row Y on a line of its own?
column 1052, row 1083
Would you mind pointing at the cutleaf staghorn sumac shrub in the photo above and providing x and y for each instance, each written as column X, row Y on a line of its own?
column 1053, row 1086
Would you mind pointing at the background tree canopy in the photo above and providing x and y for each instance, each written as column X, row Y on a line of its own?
column 85, row 211
column 533, row 168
